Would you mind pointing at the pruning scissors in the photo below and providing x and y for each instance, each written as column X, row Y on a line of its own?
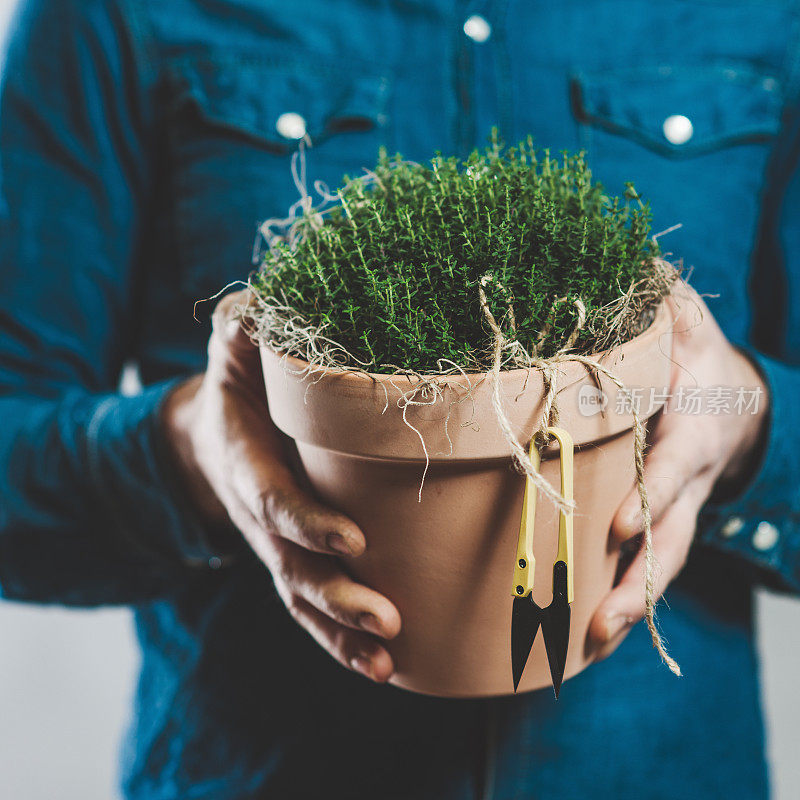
column 527, row 617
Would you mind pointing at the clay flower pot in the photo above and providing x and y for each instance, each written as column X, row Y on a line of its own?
column 447, row 560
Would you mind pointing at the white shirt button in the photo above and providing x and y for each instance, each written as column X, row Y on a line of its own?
column 766, row 536
column 678, row 129
column 291, row 125
column 477, row 28
column 732, row 527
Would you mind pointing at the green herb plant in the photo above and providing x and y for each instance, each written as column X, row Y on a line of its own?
column 387, row 277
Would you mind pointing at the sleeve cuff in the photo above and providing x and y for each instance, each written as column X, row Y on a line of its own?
column 142, row 493
column 762, row 523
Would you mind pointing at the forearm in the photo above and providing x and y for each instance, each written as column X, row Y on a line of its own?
column 92, row 512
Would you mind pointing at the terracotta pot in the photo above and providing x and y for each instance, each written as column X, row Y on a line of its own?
column 447, row 560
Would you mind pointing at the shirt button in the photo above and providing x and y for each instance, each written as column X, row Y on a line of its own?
column 291, row 125
column 678, row 129
column 766, row 536
column 732, row 527
column 477, row 28
column 769, row 84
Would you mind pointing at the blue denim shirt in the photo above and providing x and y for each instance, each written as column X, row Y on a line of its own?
column 138, row 152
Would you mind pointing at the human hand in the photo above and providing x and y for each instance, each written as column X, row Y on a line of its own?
column 234, row 463
column 690, row 456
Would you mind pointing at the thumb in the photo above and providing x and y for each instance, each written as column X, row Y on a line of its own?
column 233, row 357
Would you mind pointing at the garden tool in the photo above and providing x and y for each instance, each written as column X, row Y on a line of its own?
column 527, row 617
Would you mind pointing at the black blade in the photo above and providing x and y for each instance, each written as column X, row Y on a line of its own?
column 526, row 617
column 555, row 626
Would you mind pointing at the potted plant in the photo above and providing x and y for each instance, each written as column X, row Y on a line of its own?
column 418, row 329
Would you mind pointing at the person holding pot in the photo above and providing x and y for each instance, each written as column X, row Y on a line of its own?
column 140, row 145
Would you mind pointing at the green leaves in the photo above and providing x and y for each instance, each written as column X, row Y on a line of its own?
column 394, row 275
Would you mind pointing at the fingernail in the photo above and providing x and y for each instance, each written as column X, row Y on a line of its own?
column 361, row 664
column 336, row 542
column 369, row 622
column 616, row 623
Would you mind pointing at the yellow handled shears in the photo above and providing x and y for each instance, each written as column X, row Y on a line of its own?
column 527, row 617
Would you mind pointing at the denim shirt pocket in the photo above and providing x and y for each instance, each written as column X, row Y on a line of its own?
column 231, row 161
column 725, row 105
column 695, row 140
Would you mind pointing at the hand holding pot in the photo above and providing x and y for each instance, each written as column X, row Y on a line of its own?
column 235, row 465
column 691, row 455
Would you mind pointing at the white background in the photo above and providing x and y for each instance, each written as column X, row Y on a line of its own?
column 66, row 680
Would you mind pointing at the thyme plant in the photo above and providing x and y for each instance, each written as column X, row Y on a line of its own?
column 390, row 272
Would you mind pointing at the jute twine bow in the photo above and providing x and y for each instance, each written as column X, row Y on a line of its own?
column 547, row 367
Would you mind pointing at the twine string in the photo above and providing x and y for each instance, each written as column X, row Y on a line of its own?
column 520, row 455
column 547, row 367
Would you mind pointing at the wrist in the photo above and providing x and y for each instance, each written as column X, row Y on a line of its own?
column 179, row 421
column 749, row 454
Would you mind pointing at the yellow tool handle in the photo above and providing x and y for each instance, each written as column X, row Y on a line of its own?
column 524, row 566
column 525, row 563
column 564, row 553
